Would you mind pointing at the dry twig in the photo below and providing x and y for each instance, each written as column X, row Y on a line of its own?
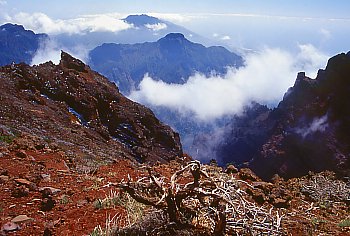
column 213, row 202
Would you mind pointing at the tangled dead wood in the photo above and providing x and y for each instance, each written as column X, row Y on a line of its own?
column 215, row 202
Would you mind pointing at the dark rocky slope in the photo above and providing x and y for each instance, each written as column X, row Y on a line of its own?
column 17, row 44
column 308, row 131
column 72, row 108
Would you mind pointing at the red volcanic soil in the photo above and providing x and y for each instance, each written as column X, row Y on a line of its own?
column 57, row 197
column 71, row 210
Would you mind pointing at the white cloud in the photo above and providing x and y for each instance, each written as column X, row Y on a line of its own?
column 310, row 59
column 317, row 125
column 265, row 78
column 174, row 17
column 226, row 37
column 49, row 50
column 40, row 22
column 326, row 34
column 156, row 27
column 3, row 2
column 215, row 35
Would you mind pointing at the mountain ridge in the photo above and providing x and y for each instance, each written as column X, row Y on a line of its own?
column 82, row 112
column 171, row 59
column 18, row 44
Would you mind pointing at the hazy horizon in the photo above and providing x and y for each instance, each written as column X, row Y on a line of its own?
column 234, row 24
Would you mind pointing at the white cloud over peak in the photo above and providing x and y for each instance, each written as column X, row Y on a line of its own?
column 49, row 50
column 174, row 17
column 41, row 23
column 226, row 37
column 265, row 78
column 156, row 27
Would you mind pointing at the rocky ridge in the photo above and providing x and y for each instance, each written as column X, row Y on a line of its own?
column 72, row 108
column 308, row 131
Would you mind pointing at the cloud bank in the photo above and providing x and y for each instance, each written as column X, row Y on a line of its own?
column 50, row 50
column 41, row 23
column 156, row 27
column 265, row 78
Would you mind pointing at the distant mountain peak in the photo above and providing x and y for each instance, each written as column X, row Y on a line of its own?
column 18, row 44
column 141, row 20
column 12, row 27
column 172, row 59
column 175, row 36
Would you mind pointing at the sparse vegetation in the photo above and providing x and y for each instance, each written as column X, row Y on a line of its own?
column 7, row 138
column 108, row 202
column 110, row 226
column 134, row 209
column 64, row 200
column 96, row 182
column 344, row 223
column 217, row 203
column 324, row 189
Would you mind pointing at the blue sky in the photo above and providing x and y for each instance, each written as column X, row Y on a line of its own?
column 65, row 8
column 251, row 24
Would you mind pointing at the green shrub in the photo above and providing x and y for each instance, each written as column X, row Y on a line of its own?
column 344, row 223
column 7, row 138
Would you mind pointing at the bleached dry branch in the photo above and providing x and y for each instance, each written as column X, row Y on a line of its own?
column 216, row 202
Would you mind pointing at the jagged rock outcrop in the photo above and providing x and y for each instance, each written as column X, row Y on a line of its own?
column 311, row 131
column 75, row 109
column 308, row 131
column 17, row 44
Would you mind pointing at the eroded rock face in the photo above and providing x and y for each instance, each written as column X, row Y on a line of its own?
column 17, row 44
column 311, row 125
column 70, row 107
column 308, row 131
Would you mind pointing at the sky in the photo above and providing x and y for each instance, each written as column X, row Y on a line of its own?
column 296, row 8
column 237, row 24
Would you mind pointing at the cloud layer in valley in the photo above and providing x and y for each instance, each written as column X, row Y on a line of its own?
column 265, row 78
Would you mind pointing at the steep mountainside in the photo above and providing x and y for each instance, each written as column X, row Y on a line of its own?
column 171, row 59
column 17, row 44
column 72, row 108
column 238, row 140
column 308, row 131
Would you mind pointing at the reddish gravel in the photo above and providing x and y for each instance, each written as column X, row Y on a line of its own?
column 74, row 212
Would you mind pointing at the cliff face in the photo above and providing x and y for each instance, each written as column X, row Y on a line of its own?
column 76, row 109
column 308, row 131
column 311, row 125
column 17, row 44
